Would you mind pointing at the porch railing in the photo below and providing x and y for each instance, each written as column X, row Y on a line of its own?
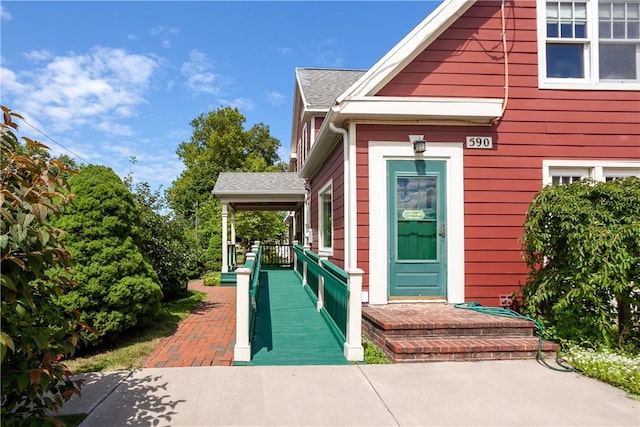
column 231, row 256
column 247, row 288
column 338, row 297
column 277, row 256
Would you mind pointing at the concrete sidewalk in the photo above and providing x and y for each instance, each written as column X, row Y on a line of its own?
column 497, row 393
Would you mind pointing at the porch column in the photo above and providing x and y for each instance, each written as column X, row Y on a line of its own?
column 233, row 237
column 225, row 260
column 292, row 226
column 233, row 227
column 353, row 350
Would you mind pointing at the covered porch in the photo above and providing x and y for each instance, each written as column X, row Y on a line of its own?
column 258, row 191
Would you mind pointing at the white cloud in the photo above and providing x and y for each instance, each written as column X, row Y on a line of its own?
column 275, row 98
column 114, row 128
column 10, row 81
column 5, row 16
column 123, row 151
column 161, row 168
column 200, row 76
column 166, row 34
column 325, row 55
column 77, row 89
column 38, row 55
column 285, row 51
column 243, row 104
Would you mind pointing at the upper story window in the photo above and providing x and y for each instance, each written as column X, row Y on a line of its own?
column 568, row 171
column 302, row 146
column 325, row 218
column 589, row 44
column 305, row 141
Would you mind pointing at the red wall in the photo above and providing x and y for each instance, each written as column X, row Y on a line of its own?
column 333, row 168
column 467, row 61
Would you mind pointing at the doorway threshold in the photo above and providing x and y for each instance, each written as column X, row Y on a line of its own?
column 417, row 299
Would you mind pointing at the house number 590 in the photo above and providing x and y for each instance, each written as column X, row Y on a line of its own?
column 479, row 142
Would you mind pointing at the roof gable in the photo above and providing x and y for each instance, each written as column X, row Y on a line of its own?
column 407, row 49
column 320, row 87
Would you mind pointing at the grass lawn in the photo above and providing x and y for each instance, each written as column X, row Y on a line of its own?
column 134, row 347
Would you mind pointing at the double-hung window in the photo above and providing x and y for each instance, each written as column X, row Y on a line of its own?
column 568, row 171
column 325, row 218
column 589, row 44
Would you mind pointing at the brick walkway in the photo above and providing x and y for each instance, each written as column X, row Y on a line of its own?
column 206, row 337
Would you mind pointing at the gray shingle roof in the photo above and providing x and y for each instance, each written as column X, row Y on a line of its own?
column 258, row 183
column 320, row 87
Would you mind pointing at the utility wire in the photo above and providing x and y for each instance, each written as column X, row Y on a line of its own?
column 54, row 141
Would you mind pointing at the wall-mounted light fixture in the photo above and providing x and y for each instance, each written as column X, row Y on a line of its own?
column 419, row 144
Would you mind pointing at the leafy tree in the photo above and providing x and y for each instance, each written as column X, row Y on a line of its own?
column 165, row 243
column 36, row 333
column 220, row 143
column 117, row 287
column 264, row 226
column 582, row 245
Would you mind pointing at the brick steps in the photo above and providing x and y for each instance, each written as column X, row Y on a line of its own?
column 465, row 348
column 440, row 332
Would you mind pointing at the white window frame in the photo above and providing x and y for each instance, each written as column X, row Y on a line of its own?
column 323, row 247
column 305, row 141
column 312, row 133
column 597, row 170
column 591, row 80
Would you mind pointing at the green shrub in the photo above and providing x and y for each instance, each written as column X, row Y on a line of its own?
column 582, row 244
column 373, row 355
column 117, row 288
column 211, row 279
column 36, row 333
column 163, row 242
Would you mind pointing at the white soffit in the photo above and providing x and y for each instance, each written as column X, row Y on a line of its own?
column 482, row 110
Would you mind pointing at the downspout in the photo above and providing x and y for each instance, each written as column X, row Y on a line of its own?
column 348, row 262
column 505, row 51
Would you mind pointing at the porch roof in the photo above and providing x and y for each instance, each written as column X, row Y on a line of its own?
column 260, row 191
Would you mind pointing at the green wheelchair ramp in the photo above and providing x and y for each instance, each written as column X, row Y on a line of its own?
column 288, row 329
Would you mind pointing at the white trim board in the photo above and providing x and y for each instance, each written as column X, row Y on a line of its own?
column 379, row 153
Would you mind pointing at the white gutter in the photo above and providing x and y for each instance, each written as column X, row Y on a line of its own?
column 346, row 189
column 350, row 195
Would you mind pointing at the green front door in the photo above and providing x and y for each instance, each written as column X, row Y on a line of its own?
column 417, row 230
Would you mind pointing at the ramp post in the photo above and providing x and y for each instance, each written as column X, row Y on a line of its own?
column 353, row 350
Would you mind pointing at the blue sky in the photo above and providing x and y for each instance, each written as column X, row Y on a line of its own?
column 112, row 80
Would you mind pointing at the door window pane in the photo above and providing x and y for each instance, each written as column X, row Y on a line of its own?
column 417, row 192
column 416, row 204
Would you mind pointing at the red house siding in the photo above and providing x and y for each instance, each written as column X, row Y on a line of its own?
column 467, row 61
column 317, row 122
column 332, row 169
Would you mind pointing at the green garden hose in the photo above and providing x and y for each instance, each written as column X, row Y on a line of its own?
column 505, row 312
